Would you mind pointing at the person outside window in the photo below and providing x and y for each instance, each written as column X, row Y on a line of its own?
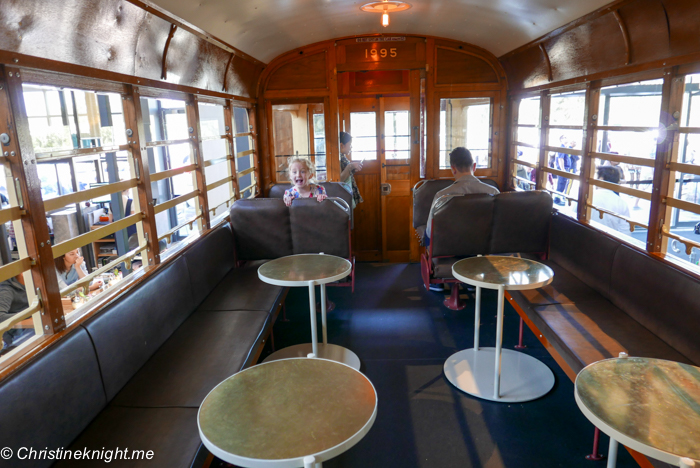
column 70, row 267
column 611, row 201
column 13, row 299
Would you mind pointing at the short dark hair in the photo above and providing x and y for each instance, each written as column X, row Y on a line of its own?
column 609, row 174
column 345, row 138
column 461, row 158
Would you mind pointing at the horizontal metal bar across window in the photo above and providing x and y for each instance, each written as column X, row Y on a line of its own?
column 168, row 235
column 20, row 316
column 625, row 129
column 11, row 214
column 84, row 195
column 15, row 268
column 92, row 236
column 219, row 183
column 526, row 145
column 632, row 223
column 213, row 162
column 621, row 188
column 245, row 153
column 525, row 163
column 245, row 172
column 175, row 201
column 67, row 154
column 684, row 168
column 689, row 244
column 559, row 149
column 566, row 175
column 250, row 134
column 154, row 144
column 682, row 205
column 172, row 172
column 633, row 160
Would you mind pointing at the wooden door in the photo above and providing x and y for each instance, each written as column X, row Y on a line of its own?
column 395, row 158
column 361, row 120
column 380, row 127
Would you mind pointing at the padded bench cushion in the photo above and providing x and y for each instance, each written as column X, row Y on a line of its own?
column 242, row 289
column 171, row 433
column 564, row 289
column 442, row 267
column 261, row 228
column 208, row 348
column 50, row 401
column 320, row 227
column 587, row 332
column 127, row 333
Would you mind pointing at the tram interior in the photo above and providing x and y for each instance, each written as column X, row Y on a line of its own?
column 147, row 148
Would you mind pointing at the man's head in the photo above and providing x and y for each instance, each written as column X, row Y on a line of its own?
column 609, row 174
column 461, row 161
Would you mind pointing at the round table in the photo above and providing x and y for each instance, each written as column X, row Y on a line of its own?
column 650, row 405
column 287, row 413
column 310, row 270
column 498, row 374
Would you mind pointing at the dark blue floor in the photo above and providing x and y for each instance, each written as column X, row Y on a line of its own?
column 403, row 335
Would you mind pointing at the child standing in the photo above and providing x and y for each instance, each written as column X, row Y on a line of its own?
column 301, row 173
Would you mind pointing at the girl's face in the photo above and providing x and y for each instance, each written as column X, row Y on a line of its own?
column 299, row 175
column 71, row 257
column 346, row 148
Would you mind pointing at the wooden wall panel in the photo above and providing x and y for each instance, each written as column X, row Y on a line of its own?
column 308, row 72
column 367, row 234
column 526, row 69
column 118, row 36
column 570, row 54
column 660, row 32
column 397, row 216
column 195, row 62
column 684, row 22
column 646, row 25
column 456, row 67
column 242, row 77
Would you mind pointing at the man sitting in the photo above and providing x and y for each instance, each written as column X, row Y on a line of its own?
column 462, row 166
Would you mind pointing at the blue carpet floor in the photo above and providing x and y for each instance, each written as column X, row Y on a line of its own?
column 403, row 335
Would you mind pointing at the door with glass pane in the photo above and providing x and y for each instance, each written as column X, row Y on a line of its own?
column 395, row 156
column 380, row 128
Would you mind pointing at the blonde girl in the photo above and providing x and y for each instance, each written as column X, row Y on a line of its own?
column 301, row 172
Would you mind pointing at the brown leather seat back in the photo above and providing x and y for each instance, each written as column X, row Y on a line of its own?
column 521, row 222
column 572, row 245
column 261, row 229
column 463, row 226
column 277, row 190
column 50, row 401
column 209, row 260
column 320, row 227
column 660, row 297
column 423, row 199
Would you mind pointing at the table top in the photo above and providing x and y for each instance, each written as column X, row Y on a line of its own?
column 510, row 272
column 299, row 270
column 278, row 412
column 649, row 405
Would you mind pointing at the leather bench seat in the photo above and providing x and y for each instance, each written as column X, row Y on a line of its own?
column 586, row 332
column 242, row 289
column 133, row 376
column 608, row 298
column 171, row 433
column 196, row 358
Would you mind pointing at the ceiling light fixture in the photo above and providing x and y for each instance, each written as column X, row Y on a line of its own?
column 385, row 7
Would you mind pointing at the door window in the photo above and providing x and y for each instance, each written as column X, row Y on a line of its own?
column 397, row 135
column 364, row 135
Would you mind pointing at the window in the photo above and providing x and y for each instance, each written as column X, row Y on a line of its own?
column 563, row 150
column 217, row 157
column 626, row 141
column 171, row 161
column 526, row 143
column 466, row 122
column 681, row 227
column 397, row 135
column 245, row 153
column 364, row 135
column 79, row 140
column 299, row 130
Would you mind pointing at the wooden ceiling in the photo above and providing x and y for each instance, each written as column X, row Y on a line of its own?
column 266, row 29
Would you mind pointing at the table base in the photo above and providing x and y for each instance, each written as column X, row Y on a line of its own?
column 523, row 378
column 325, row 351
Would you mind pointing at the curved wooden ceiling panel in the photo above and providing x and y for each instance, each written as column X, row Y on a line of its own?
column 267, row 29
